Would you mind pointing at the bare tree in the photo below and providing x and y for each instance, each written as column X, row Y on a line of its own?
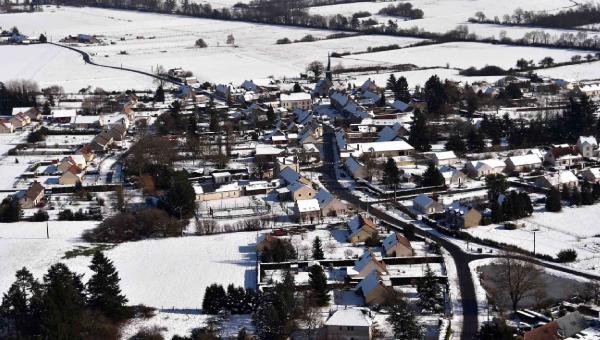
column 517, row 279
column 316, row 67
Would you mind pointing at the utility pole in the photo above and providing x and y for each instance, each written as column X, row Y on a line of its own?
column 47, row 231
column 534, row 242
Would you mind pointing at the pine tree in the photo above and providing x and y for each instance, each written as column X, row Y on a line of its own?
column 104, row 293
column 391, row 82
column 587, row 196
column 215, row 299
column 318, row 283
column 403, row 321
column 497, row 213
column 63, row 303
column 553, row 202
column 391, row 174
column 576, row 197
column 21, row 307
column 432, row 177
column 455, row 143
column 419, row 133
column 435, row 95
column 401, row 90
column 159, row 95
column 475, row 142
column 428, row 289
column 276, row 310
column 317, row 250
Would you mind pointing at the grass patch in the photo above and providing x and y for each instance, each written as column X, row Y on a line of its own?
column 87, row 250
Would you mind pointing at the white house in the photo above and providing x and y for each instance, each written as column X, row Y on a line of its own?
column 587, row 146
column 444, row 158
column 427, row 205
column 485, row 167
column 349, row 324
column 558, row 180
column 296, row 100
column 523, row 163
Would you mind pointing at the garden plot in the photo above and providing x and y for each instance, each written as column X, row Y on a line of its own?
column 460, row 54
column 574, row 228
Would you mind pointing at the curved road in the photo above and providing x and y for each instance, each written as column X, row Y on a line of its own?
column 461, row 258
column 88, row 60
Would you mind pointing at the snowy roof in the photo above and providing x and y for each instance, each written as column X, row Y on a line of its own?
column 289, row 175
column 445, row 155
column 525, row 160
column 588, row 139
column 295, row 96
column 400, row 105
column 308, row 205
column 350, row 317
column 393, row 239
column 64, row 113
column 262, row 149
column 221, row 174
column 492, row 163
column 396, row 145
column 366, row 257
column 16, row 110
column 295, row 186
column 323, row 196
column 369, row 282
column 422, row 200
column 387, row 134
column 353, row 165
column 561, row 177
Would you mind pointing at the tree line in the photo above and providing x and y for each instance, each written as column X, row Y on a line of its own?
column 61, row 306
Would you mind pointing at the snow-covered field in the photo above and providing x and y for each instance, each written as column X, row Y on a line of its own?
column 587, row 71
column 575, row 228
column 461, row 55
column 162, row 273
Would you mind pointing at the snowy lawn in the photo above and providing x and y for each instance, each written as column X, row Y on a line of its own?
column 575, row 228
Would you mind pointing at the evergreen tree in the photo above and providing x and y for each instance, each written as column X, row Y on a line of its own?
column 403, row 321
column 596, row 191
column 587, row 196
column 497, row 213
column 419, row 133
column 391, row 82
column 428, row 289
column 276, row 310
column 192, row 126
column 215, row 299
column 318, row 284
column 496, row 184
column 317, row 250
column 159, row 95
column 382, row 101
column 475, row 142
column 63, row 303
column 181, row 197
column 576, row 198
column 432, row 177
column 496, row 330
column 435, row 95
column 21, row 307
column 553, row 202
column 455, row 143
column 401, row 90
column 391, row 174
column 104, row 293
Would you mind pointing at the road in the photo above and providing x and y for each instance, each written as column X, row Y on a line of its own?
column 88, row 60
column 461, row 259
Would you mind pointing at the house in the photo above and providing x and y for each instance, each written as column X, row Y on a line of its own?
column 67, row 162
column 20, row 120
column 562, row 328
column 367, row 263
column 460, row 216
column 296, row 100
column 307, row 210
column 6, row 126
column 562, row 155
column 32, row 196
column 361, row 228
column 220, row 178
column 452, row 176
column 330, row 206
column 117, row 131
column 485, row 167
column 32, row 112
column 587, row 146
column 101, row 142
column 71, row 176
column 375, row 289
column 591, row 175
column 356, row 168
column 401, row 106
column 426, row 205
column 382, row 149
column 558, row 180
column 523, row 163
column 299, row 191
column 265, row 241
column 87, row 152
column 369, row 85
column 349, row 324
column 444, row 158
column 397, row 245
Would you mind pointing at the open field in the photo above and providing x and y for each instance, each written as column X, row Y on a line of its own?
column 574, row 228
column 160, row 273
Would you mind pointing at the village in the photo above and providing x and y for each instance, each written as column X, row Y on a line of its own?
column 231, row 176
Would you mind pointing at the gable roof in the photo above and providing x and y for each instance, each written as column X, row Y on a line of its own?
column 309, row 205
column 394, row 239
column 289, row 175
column 350, row 317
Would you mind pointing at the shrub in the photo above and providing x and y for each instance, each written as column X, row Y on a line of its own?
column 566, row 255
column 40, row 216
column 361, row 14
column 283, row 41
column 201, row 43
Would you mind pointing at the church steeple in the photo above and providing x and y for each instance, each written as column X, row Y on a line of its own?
column 328, row 70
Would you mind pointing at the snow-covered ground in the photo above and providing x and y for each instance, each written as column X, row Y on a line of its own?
column 587, row 71
column 461, row 55
column 574, row 228
column 162, row 273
